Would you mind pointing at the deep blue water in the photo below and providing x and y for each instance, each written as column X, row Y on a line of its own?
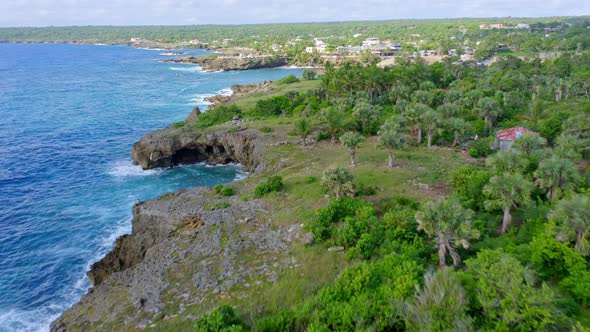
column 68, row 117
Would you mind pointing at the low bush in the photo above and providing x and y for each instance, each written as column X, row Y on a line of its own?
column 222, row 319
column 273, row 184
column 266, row 130
column 481, row 147
column 272, row 107
column 322, row 224
column 223, row 190
column 288, row 80
column 217, row 116
column 311, row 179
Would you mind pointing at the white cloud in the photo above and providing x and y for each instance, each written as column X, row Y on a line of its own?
column 127, row 12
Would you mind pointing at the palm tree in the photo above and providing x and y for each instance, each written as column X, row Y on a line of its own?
column 529, row 144
column 554, row 175
column 448, row 110
column 449, row 224
column 303, row 128
column 506, row 191
column 572, row 216
column 391, row 139
column 334, row 121
column 339, row 181
column 489, row 109
column 352, row 140
column 506, row 161
column 440, row 305
column 567, row 146
column 413, row 116
column 366, row 116
column 459, row 127
column 431, row 120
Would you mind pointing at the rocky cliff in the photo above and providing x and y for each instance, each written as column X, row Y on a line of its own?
column 172, row 146
column 189, row 248
column 226, row 62
column 183, row 251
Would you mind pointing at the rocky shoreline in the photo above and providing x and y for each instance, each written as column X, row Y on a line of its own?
column 189, row 246
column 217, row 62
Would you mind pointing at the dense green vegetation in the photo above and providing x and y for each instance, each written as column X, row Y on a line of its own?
column 549, row 35
column 505, row 249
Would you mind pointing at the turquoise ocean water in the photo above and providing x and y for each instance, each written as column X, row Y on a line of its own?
column 68, row 117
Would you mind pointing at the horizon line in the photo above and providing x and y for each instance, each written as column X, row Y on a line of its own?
column 296, row 22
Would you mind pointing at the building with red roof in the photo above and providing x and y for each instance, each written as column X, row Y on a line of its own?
column 504, row 138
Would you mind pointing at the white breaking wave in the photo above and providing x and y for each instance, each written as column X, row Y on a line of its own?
column 191, row 68
column 124, row 168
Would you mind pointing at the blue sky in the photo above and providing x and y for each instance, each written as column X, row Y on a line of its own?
column 155, row 12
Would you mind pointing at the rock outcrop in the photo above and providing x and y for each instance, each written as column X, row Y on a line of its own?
column 183, row 251
column 239, row 91
column 225, row 62
column 172, row 146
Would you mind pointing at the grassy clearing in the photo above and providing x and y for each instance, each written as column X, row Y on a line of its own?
column 249, row 101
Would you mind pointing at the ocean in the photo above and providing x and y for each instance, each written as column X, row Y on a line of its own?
column 68, row 117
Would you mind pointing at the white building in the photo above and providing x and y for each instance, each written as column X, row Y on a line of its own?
column 371, row 42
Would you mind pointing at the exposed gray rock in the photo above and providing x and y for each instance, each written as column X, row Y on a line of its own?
column 179, row 251
column 173, row 146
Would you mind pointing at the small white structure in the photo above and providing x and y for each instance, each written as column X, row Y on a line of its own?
column 371, row 42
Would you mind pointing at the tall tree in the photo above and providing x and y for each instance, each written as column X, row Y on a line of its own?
column 529, row 144
column 334, row 121
column 459, row 127
column 507, row 161
column 414, row 117
column 339, row 181
column 489, row 109
column 366, row 117
column 431, row 121
column 555, row 175
column 449, row 225
column 352, row 140
column 439, row 305
column 507, row 191
column 572, row 217
column 391, row 139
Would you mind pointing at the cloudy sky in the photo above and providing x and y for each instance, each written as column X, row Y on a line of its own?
column 155, row 12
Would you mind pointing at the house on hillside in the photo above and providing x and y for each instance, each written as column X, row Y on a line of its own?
column 504, row 138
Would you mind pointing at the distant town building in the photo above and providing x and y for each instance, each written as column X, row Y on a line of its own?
column 356, row 35
column 492, row 26
column 505, row 138
column 371, row 42
column 522, row 26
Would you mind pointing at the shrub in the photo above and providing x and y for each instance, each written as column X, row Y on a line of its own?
column 321, row 225
column 178, row 124
column 481, row 148
column 468, row 182
column 223, row 190
column 217, row 115
column 273, row 106
column 222, row 319
column 273, row 184
column 311, row 179
column 266, row 130
column 222, row 205
column 288, row 80
column 308, row 74
column 365, row 190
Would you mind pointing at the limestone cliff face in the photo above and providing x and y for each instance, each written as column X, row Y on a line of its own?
column 173, row 146
column 224, row 63
column 182, row 251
